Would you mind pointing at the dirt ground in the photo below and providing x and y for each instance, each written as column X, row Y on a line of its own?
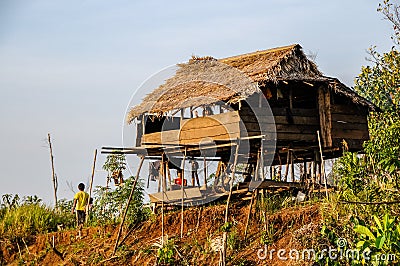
column 202, row 228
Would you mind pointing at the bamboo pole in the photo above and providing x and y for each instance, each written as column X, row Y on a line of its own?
column 198, row 219
column 287, row 164
column 148, row 180
column 256, row 172
column 182, row 190
column 205, row 171
column 304, row 174
column 262, row 159
column 248, row 216
column 271, row 172
column 292, row 166
column 169, row 175
column 224, row 237
column 91, row 184
column 262, row 209
column 322, row 164
column 127, row 205
column 280, row 167
column 53, row 174
column 162, row 201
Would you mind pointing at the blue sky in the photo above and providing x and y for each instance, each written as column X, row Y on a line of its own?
column 70, row 67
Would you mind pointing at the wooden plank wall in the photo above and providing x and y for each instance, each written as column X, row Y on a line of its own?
column 349, row 123
column 325, row 116
column 225, row 126
column 295, row 125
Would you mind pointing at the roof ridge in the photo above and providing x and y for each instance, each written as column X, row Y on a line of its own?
column 262, row 52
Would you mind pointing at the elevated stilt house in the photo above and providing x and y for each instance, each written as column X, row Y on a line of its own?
column 265, row 110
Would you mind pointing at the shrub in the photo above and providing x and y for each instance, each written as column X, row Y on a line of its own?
column 109, row 204
column 30, row 219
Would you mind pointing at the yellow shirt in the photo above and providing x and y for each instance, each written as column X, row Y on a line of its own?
column 81, row 200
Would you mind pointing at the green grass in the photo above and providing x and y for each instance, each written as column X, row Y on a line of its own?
column 31, row 219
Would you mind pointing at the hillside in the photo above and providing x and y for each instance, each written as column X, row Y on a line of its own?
column 285, row 229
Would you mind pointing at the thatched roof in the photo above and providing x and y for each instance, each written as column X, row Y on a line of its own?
column 288, row 62
column 206, row 80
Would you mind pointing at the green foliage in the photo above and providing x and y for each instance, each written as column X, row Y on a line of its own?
column 166, row 251
column 10, row 201
column 268, row 236
column 233, row 240
column 375, row 175
column 32, row 200
column 226, row 227
column 115, row 162
column 380, row 83
column 109, row 204
column 381, row 239
column 383, row 148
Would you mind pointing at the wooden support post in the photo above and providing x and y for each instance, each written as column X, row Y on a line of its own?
column 198, row 219
column 53, row 174
column 182, row 190
column 262, row 209
column 271, row 172
column 303, row 179
column 182, row 114
column 165, row 175
column 248, row 215
column 148, row 180
column 323, row 166
column 143, row 125
column 159, row 177
column 314, row 170
column 287, row 164
column 127, row 205
column 205, row 170
column 319, row 173
column 262, row 159
column 280, row 167
column 168, row 173
column 162, row 200
column 292, row 166
column 256, row 172
column 224, row 237
column 91, row 185
column 325, row 116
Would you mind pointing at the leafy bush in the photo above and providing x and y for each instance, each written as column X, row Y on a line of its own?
column 109, row 204
column 380, row 241
column 166, row 251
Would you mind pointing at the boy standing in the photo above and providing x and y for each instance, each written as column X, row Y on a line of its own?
column 81, row 199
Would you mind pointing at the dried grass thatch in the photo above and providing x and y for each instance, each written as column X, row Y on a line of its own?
column 288, row 62
column 206, row 80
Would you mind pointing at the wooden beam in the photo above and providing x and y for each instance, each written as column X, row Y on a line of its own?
column 127, row 205
column 271, row 184
column 182, row 190
column 91, row 184
column 205, row 171
column 324, row 105
column 323, row 166
column 53, row 174
column 292, row 166
column 224, row 237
